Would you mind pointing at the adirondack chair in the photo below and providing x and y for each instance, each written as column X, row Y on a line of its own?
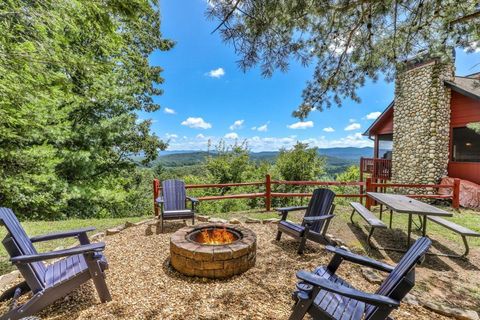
column 324, row 295
column 50, row 282
column 315, row 223
column 173, row 202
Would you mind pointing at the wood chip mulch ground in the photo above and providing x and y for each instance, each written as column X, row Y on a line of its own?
column 144, row 286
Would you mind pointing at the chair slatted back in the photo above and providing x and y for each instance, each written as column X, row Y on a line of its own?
column 17, row 243
column 320, row 204
column 401, row 279
column 174, row 194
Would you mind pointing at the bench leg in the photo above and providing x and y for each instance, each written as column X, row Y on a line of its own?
column 369, row 239
column 279, row 235
column 351, row 216
column 391, row 216
column 409, row 229
column 467, row 248
column 381, row 211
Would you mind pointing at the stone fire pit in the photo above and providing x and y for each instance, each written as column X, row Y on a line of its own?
column 213, row 250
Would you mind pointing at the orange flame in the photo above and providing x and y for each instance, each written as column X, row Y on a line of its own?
column 216, row 236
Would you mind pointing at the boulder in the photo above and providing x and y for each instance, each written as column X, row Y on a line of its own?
column 202, row 218
column 8, row 279
column 217, row 220
column 372, row 276
column 97, row 236
column 112, row 231
column 456, row 313
column 234, row 221
column 253, row 220
column 271, row 220
column 148, row 230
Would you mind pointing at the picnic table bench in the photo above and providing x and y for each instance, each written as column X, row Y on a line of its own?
column 369, row 217
column 461, row 230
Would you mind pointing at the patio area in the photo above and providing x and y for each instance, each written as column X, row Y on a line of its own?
column 144, row 285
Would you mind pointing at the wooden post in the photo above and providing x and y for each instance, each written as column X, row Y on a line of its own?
column 268, row 192
column 361, row 178
column 456, row 194
column 368, row 202
column 156, row 194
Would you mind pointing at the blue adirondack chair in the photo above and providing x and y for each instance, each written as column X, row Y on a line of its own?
column 173, row 202
column 315, row 223
column 50, row 282
column 324, row 295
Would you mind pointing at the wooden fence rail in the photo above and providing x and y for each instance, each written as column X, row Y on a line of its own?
column 267, row 194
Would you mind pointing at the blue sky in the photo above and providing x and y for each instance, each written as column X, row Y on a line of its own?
column 206, row 96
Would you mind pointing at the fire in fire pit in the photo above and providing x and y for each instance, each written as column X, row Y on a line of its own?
column 213, row 250
column 214, row 236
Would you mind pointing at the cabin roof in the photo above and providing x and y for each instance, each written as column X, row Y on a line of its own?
column 381, row 119
column 468, row 86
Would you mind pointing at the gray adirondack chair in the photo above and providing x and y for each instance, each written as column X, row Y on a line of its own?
column 324, row 295
column 315, row 223
column 173, row 202
column 50, row 282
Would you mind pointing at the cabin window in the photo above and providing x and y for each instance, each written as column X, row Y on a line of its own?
column 385, row 146
column 465, row 145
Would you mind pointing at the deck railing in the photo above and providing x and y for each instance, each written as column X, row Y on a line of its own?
column 380, row 169
column 265, row 190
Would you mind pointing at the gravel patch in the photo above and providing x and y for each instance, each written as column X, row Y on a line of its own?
column 144, row 286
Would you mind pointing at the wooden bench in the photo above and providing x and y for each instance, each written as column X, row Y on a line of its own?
column 369, row 217
column 464, row 232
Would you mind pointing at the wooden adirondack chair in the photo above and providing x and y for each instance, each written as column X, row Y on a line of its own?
column 324, row 295
column 50, row 282
column 173, row 202
column 318, row 214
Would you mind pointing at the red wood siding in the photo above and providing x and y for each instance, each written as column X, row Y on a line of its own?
column 463, row 111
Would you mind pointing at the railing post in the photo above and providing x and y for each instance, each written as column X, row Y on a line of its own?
column 456, row 194
column 368, row 201
column 156, row 194
column 268, row 192
column 361, row 179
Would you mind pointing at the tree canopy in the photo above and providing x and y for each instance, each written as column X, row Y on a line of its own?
column 349, row 41
column 73, row 75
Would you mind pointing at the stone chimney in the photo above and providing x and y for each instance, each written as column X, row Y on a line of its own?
column 421, row 129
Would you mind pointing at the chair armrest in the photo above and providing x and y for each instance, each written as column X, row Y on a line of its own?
column 362, row 260
column 288, row 209
column 88, row 248
column 370, row 298
column 310, row 220
column 159, row 200
column 194, row 200
column 61, row 234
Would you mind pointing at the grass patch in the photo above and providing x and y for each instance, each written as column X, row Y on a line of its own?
column 34, row 228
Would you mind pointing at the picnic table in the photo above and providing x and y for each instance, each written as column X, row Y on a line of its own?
column 403, row 204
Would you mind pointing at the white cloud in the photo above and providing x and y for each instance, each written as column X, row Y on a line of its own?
column 169, row 111
column 301, row 125
column 171, row 136
column 196, row 123
column 352, row 120
column 237, row 124
column 373, row 115
column 257, row 143
column 231, row 135
column 328, row 129
column 200, row 136
column 262, row 128
column 216, row 73
column 353, row 126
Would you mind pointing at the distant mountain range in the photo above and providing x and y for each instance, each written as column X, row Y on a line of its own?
column 337, row 159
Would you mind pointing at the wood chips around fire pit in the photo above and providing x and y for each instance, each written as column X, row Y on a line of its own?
column 144, row 285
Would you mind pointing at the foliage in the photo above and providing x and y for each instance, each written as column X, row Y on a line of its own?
column 300, row 163
column 474, row 126
column 73, row 74
column 349, row 41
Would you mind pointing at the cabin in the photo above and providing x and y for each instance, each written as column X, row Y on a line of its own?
column 422, row 135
